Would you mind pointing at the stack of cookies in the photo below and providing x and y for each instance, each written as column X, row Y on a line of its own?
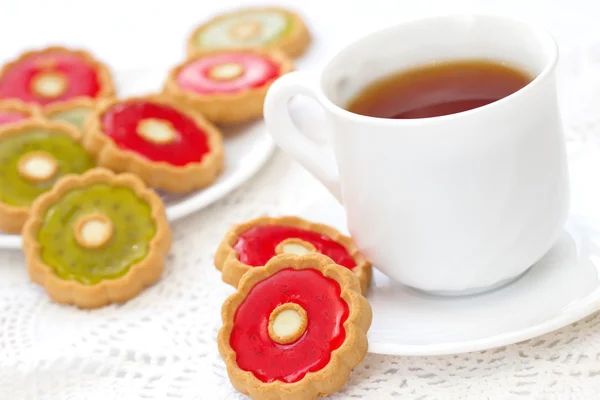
column 298, row 323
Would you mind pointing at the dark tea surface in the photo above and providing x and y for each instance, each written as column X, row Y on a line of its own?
column 439, row 89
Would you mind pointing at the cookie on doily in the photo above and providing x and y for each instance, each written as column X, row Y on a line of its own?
column 74, row 112
column 55, row 74
column 167, row 144
column 294, row 329
column 13, row 111
column 254, row 243
column 33, row 156
column 272, row 28
column 96, row 239
column 227, row 86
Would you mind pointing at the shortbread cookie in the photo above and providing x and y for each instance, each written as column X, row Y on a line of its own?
column 74, row 111
column 294, row 329
column 13, row 111
column 55, row 74
column 254, row 243
column 272, row 28
column 228, row 86
column 34, row 155
column 96, row 239
column 168, row 145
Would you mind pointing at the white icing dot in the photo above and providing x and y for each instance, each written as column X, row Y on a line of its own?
column 38, row 167
column 95, row 232
column 295, row 248
column 49, row 84
column 226, row 71
column 287, row 323
column 156, row 131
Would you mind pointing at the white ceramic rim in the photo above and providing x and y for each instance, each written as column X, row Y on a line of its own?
column 546, row 40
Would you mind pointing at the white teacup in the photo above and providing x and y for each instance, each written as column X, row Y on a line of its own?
column 452, row 204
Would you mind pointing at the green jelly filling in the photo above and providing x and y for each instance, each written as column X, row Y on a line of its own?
column 75, row 116
column 133, row 230
column 15, row 190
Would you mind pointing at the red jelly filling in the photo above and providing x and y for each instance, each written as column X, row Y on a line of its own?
column 121, row 124
column 326, row 313
column 257, row 245
column 257, row 70
column 8, row 117
column 82, row 78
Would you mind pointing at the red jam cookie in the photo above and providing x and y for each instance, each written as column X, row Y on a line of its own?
column 295, row 328
column 53, row 75
column 96, row 239
column 254, row 243
column 228, row 86
column 168, row 145
column 269, row 28
column 13, row 111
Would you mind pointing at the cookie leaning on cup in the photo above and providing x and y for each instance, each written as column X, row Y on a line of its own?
column 294, row 329
column 254, row 243
column 227, row 86
column 168, row 145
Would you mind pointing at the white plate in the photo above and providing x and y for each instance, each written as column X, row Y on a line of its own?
column 247, row 148
column 561, row 289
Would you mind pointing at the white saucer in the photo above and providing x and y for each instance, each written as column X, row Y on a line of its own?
column 561, row 289
column 247, row 148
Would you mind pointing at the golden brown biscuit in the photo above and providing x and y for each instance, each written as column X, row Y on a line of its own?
column 96, row 239
column 294, row 329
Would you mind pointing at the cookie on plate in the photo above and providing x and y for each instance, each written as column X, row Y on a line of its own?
column 272, row 28
column 254, row 243
column 73, row 112
column 294, row 329
column 168, row 145
column 227, row 86
column 34, row 155
column 13, row 111
column 96, row 239
column 55, row 74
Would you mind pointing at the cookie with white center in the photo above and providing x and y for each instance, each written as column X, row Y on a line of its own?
column 96, row 239
column 267, row 28
column 294, row 329
column 167, row 144
column 253, row 243
column 34, row 155
column 54, row 75
column 227, row 86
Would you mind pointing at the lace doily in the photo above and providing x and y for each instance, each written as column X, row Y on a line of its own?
column 161, row 345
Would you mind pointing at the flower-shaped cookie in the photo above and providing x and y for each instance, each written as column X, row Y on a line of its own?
column 254, row 243
column 273, row 28
column 228, row 86
column 33, row 155
column 294, row 329
column 12, row 111
column 54, row 74
column 74, row 112
column 96, row 239
column 168, row 145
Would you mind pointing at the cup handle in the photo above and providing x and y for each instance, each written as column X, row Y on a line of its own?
column 318, row 159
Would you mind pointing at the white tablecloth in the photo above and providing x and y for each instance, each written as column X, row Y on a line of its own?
column 161, row 345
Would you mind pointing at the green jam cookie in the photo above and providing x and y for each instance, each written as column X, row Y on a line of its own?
column 118, row 236
column 252, row 28
column 75, row 116
column 32, row 161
